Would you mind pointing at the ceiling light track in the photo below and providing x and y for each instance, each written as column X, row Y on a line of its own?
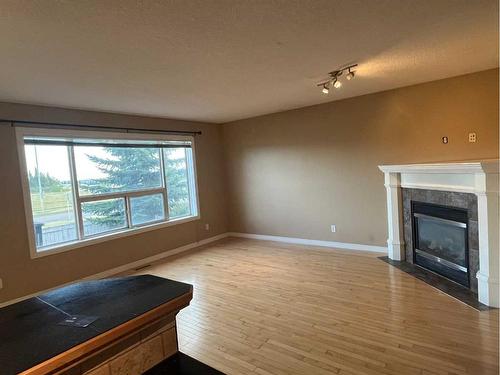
column 334, row 78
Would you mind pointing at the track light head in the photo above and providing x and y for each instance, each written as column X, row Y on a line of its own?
column 349, row 75
column 337, row 84
column 325, row 90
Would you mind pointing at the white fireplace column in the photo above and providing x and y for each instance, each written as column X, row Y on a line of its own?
column 488, row 286
column 395, row 243
column 478, row 177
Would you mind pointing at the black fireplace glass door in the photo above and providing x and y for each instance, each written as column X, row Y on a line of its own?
column 444, row 239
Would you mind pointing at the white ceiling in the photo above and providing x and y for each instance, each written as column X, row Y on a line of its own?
column 222, row 60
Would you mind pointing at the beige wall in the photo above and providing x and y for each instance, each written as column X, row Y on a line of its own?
column 289, row 174
column 294, row 173
column 22, row 275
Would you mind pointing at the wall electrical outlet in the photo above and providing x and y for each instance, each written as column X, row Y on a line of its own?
column 333, row 228
column 207, row 226
column 472, row 137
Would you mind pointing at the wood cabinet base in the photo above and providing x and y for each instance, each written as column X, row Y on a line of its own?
column 134, row 354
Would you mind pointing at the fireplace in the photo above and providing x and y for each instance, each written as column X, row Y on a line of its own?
column 470, row 186
column 440, row 240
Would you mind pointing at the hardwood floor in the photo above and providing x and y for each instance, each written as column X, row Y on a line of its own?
column 268, row 308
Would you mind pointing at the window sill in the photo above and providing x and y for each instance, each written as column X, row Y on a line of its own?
column 107, row 237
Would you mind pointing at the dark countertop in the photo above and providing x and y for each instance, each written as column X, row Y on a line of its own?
column 30, row 332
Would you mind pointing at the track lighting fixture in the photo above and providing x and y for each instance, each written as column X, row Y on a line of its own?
column 334, row 81
column 349, row 75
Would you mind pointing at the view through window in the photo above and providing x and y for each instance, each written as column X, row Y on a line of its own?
column 84, row 189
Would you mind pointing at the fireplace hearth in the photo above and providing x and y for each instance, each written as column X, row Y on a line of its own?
column 440, row 240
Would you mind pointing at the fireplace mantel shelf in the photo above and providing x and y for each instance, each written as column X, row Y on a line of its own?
column 481, row 166
column 479, row 177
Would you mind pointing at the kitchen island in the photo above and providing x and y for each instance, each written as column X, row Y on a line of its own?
column 113, row 326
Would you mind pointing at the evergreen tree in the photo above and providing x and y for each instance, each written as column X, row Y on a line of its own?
column 136, row 169
column 125, row 169
column 177, row 183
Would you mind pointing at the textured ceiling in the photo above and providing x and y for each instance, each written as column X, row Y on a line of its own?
column 223, row 60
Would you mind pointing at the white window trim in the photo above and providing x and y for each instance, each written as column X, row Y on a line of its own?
column 22, row 132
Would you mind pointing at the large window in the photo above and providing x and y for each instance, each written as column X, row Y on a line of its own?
column 86, row 188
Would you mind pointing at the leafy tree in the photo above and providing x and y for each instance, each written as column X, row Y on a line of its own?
column 47, row 183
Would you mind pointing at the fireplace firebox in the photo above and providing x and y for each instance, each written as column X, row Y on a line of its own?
column 440, row 240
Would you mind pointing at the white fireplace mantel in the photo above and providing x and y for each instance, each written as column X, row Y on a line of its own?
column 477, row 177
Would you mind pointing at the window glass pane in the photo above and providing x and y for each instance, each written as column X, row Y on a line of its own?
column 146, row 209
column 116, row 169
column 178, row 167
column 51, row 194
column 103, row 216
column 100, row 166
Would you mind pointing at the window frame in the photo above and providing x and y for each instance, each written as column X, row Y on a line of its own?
column 22, row 132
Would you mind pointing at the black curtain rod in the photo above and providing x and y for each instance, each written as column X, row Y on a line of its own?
column 103, row 144
column 95, row 127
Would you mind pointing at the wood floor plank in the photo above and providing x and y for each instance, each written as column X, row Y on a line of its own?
column 271, row 308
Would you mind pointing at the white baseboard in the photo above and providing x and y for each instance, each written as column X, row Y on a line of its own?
column 303, row 241
column 126, row 267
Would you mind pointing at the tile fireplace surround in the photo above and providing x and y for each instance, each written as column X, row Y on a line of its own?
column 480, row 178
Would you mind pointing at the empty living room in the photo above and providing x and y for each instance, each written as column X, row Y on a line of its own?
column 249, row 187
